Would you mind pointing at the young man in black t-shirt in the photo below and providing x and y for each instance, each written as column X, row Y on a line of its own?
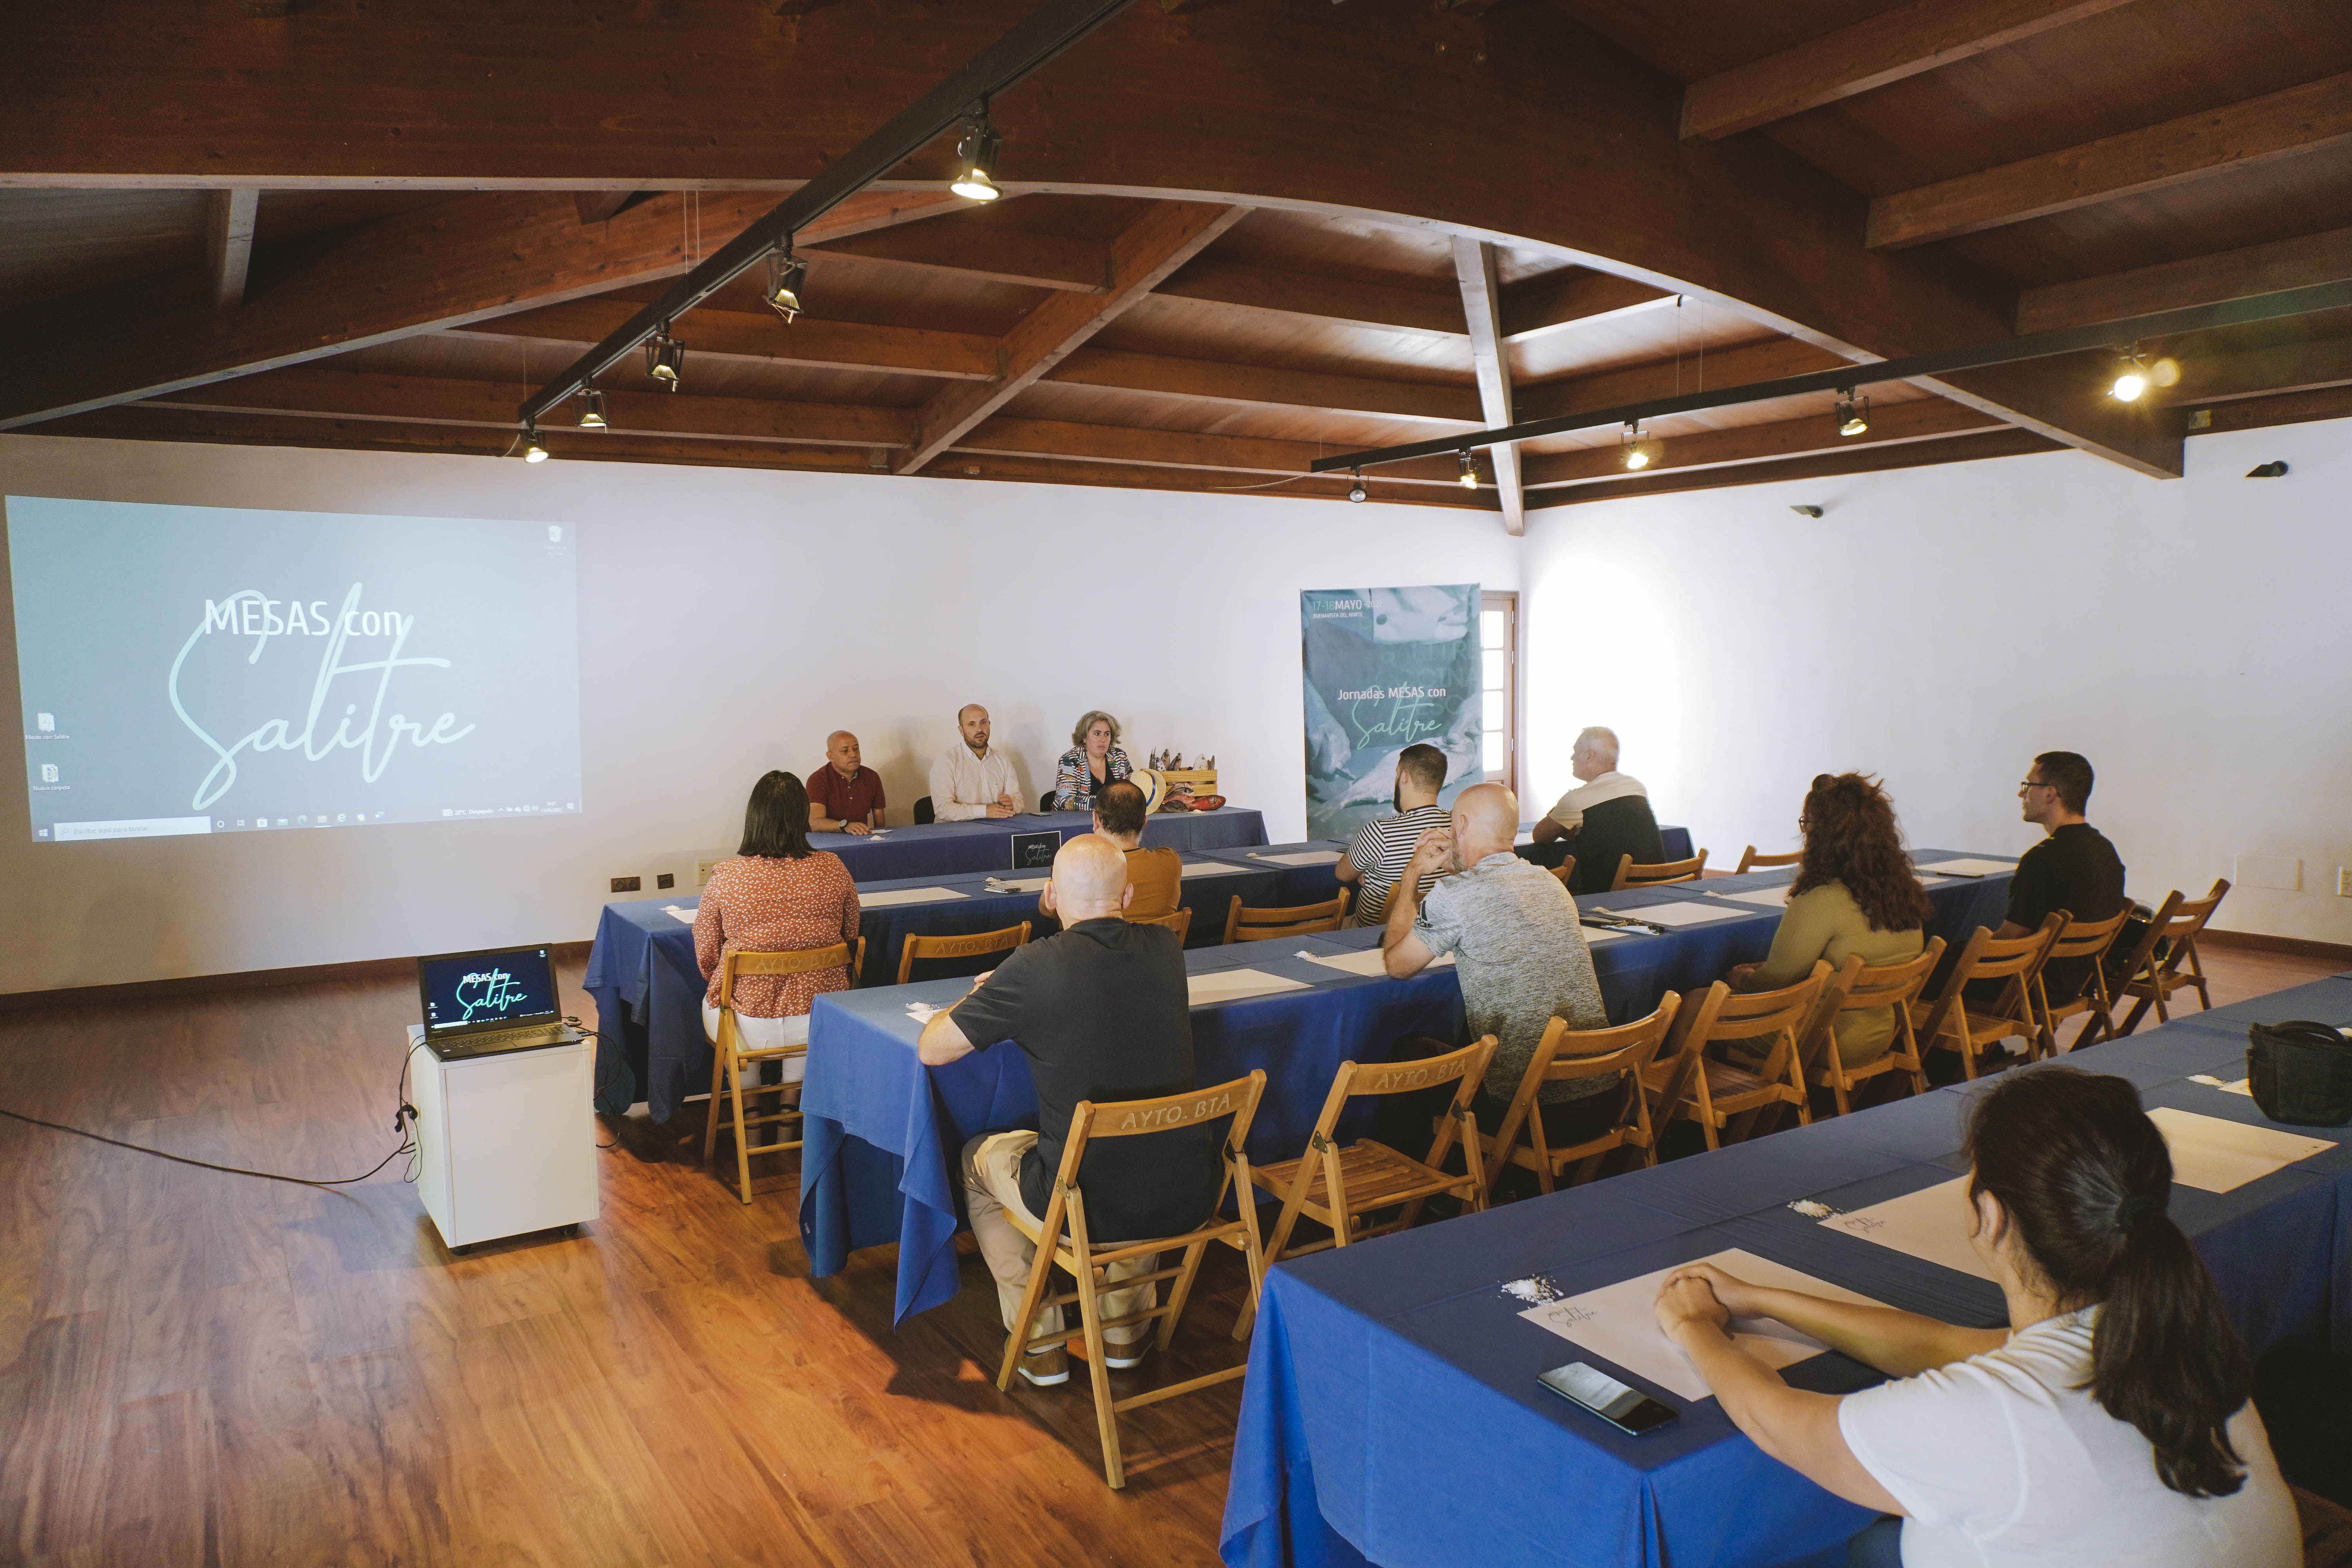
column 2075, row 868
column 1101, row 1012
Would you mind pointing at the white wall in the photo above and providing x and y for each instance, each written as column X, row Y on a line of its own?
column 1941, row 625
column 730, row 619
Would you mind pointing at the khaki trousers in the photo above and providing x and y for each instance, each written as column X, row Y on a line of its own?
column 991, row 1182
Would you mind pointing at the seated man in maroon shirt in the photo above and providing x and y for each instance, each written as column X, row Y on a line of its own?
column 845, row 797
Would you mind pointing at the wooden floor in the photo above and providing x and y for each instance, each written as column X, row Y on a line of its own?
column 202, row 1368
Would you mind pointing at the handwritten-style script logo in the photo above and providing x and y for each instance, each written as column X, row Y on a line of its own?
column 493, row 993
column 248, row 613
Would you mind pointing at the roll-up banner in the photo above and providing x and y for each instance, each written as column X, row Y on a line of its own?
column 1386, row 668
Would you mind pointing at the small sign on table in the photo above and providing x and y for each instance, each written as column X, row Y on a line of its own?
column 1035, row 851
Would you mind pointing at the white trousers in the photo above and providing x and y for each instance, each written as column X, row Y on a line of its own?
column 991, row 1183
column 765, row 1035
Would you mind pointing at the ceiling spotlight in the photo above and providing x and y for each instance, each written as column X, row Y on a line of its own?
column 1356, row 492
column 976, row 150
column 1852, row 413
column 786, row 275
column 2133, row 376
column 1636, row 448
column 534, row 450
column 2274, row 471
column 1469, row 470
column 1806, row 511
column 591, row 409
column 664, row 358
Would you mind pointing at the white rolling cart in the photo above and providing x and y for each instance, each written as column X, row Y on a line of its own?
column 505, row 1143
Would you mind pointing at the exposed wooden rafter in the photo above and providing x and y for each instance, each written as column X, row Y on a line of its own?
column 1998, row 443
column 744, row 334
column 2198, row 281
column 1482, row 307
column 1893, row 424
column 228, row 244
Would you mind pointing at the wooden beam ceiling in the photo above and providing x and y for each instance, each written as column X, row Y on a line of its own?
column 2198, row 281
column 968, row 243
column 1482, row 307
column 1541, row 306
column 1894, row 424
column 744, row 334
column 1270, row 386
column 1995, row 443
column 2258, row 372
column 1165, row 237
column 1766, row 361
column 1384, row 306
column 2282, row 124
column 1007, row 437
column 228, row 244
column 1873, row 53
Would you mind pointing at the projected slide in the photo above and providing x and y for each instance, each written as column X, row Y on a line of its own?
column 202, row 669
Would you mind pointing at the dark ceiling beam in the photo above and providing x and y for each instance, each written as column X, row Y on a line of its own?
column 2300, row 366
column 2198, row 281
column 1387, row 306
column 2286, row 124
column 595, row 207
column 1874, row 52
column 811, row 340
column 1006, row 436
column 437, row 400
column 1120, row 476
column 1482, row 307
column 1575, row 299
column 1269, row 386
column 1765, row 361
column 1893, row 424
column 464, row 260
column 976, row 243
column 228, row 244
column 1163, row 238
column 1972, row 447
column 2286, row 408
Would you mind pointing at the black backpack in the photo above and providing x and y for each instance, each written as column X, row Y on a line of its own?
column 2300, row 1072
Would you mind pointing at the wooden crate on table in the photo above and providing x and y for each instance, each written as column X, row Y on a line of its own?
column 1201, row 780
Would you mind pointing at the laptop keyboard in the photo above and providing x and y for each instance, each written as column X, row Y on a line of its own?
column 499, row 1038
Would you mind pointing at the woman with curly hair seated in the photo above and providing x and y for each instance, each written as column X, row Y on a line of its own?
column 1093, row 760
column 1855, row 892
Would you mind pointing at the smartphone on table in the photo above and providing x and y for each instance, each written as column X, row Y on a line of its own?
column 1629, row 1410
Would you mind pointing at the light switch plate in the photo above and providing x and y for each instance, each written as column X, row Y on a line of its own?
column 2269, row 871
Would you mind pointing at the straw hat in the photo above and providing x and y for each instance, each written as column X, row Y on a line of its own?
column 1154, row 787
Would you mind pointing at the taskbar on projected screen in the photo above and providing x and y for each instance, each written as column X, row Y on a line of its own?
column 174, row 827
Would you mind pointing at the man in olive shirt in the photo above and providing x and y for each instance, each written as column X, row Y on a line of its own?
column 2073, row 868
column 1101, row 1011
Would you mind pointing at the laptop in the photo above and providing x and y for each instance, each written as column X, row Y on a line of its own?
column 481, row 1003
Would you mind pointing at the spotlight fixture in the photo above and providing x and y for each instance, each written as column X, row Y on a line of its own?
column 1852, row 413
column 534, row 450
column 1636, row 447
column 2134, row 373
column 1469, row 470
column 976, row 150
column 1356, row 491
column 2272, row 470
column 786, row 275
column 1806, row 511
column 664, row 358
column 591, row 409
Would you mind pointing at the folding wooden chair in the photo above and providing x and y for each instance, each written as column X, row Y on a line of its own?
column 1569, row 1056
column 1632, row 876
column 1564, row 870
column 2151, row 979
column 1958, row 1024
column 1858, row 987
column 1338, row 1187
column 1063, row 1242
column 1725, row 1098
column 729, row 1056
column 916, row 947
column 2086, row 940
column 1750, row 860
column 1180, row 922
column 1272, row 925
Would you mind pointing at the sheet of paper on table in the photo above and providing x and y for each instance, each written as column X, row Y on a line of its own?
column 1212, row 869
column 1602, row 933
column 1775, row 896
column 1368, row 961
column 684, row 917
column 1018, row 884
column 1970, row 866
column 921, row 1012
column 1230, row 984
column 1684, row 914
column 1619, row 1322
column 2244, row 1086
column 907, row 896
column 1930, row 1223
column 1300, row 858
column 2219, row 1156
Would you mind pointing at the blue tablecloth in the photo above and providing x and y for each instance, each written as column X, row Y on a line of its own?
column 649, row 991
column 1385, row 1380
column 883, row 1133
column 943, row 848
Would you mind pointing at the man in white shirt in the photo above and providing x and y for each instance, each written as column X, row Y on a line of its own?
column 971, row 782
column 1607, row 816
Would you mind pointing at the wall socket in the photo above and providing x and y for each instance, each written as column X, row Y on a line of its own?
column 665, row 880
column 625, row 884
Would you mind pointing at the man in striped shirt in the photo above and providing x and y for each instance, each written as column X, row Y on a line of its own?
column 1382, row 845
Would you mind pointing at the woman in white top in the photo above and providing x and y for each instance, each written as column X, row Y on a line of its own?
column 2110, row 1425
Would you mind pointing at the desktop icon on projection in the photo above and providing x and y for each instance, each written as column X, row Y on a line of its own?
column 247, row 658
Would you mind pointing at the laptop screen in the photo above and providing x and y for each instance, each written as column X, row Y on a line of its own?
column 477, row 990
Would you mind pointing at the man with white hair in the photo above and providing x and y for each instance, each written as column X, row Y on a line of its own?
column 1101, row 1012
column 845, row 795
column 972, row 781
column 1605, row 818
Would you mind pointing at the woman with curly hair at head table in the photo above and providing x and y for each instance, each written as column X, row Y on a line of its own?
column 2110, row 1424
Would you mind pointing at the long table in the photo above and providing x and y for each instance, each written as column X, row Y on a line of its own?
column 945, row 848
column 882, row 1132
column 1392, row 1413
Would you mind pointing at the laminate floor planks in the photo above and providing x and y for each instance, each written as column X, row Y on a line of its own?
column 201, row 1368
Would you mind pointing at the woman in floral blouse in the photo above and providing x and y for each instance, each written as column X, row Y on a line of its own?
column 1093, row 760
column 777, row 896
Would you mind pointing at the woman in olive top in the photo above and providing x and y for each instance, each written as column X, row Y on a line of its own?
column 1855, row 892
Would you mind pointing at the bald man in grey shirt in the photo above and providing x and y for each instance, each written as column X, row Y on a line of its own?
column 1517, row 948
